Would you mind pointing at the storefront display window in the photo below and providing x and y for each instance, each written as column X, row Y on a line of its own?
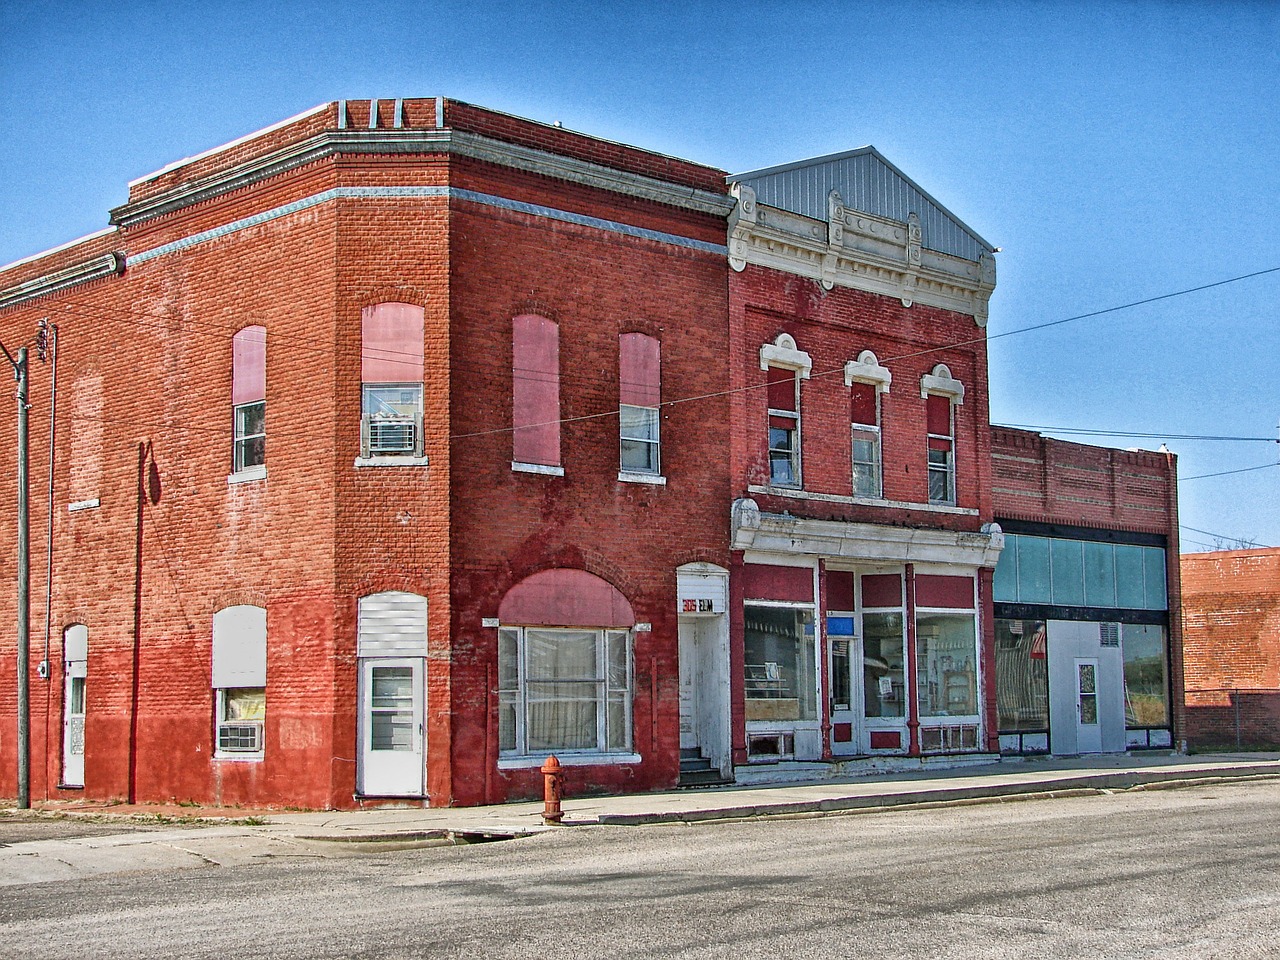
column 1146, row 687
column 1022, row 676
column 946, row 665
column 883, row 665
column 780, row 671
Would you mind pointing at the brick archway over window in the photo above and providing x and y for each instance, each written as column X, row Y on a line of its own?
column 565, row 598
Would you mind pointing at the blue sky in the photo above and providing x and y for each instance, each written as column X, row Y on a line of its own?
column 1115, row 152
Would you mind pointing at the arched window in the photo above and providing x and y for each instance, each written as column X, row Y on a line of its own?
column 391, row 383
column 639, row 396
column 564, row 666
column 535, row 395
column 249, row 403
column 941, row 393
column 240, row 680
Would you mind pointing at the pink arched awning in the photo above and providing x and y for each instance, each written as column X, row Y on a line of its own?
column 565, row 598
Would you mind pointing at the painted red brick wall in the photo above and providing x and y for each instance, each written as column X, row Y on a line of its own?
column 1231, row 612
column 144, row 387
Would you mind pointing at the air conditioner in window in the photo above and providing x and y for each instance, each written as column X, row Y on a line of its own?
column 240, row 737
column 391, row 435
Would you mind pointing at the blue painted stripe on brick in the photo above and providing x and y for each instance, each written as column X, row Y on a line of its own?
column 612, row 226
column 360, row 193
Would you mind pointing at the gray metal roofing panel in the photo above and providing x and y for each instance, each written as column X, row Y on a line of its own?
column 868, row 182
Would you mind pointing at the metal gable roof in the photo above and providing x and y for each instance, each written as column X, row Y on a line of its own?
column 868, row 182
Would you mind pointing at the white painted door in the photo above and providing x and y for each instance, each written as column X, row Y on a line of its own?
column 73, row 725
column 392, row 732
column 75, row 646
column 1088, row 727
column 689, row 663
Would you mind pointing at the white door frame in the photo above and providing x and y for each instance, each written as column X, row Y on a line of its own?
column 395, row 771
column 852, row 711
column 1088, row 732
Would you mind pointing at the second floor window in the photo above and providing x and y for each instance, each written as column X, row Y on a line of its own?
column 784, row 427
column 639, row 396
column 391, row 365
column 249, row 402
column 864, row 417
column 942, row 449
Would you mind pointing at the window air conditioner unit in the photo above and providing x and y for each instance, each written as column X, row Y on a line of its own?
column 240, row 737
column 392, row 436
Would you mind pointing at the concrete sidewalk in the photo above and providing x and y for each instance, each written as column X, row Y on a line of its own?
column 118, row 838
column 1003, row 779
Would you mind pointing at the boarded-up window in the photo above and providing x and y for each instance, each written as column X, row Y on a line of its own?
column 392, row 624
column 240, row 647
column 535, row 390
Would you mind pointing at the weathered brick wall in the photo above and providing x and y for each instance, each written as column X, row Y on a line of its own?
column 144, row 382
column 1233, row 719
column 507, row 525
column 1231, row 605
column 834, row 327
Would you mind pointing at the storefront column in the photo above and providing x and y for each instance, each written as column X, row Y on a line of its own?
column 913, row 707
column 824, row 660
column 987, row 622
column 737, row 660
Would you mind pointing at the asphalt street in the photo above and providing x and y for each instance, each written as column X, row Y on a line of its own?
column 1186, row 873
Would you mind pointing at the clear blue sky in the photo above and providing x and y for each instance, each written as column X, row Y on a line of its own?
column 1115, row 151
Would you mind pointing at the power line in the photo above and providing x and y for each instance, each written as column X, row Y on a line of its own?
column 1227, row 473
column 1217, row 536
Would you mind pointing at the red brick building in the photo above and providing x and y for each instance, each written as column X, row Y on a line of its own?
column 1231, row 608
column 404, row 442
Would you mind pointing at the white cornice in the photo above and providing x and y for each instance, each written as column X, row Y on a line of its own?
column 774, row 533
column 452, row 142
column 859, row 251
column 109, row 264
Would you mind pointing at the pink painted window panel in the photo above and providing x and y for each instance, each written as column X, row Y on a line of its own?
column 839, row 590
column 249, row 365
column 862, row 404
column 939, row 591
column 938, row 410
column 765, row 582
column 639, row 370
column 782, row 389
column 565, row 598
column 391, row 343
column 882, row 590
column 535, row 390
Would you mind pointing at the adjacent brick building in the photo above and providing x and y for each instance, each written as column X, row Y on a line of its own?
column 405, row 442
column 1231, row 608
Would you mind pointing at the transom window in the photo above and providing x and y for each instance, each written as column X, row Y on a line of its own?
column 564, row 690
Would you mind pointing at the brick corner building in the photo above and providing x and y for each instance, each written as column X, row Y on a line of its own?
column 405, row 442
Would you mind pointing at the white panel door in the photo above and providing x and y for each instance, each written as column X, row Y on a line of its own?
column 1088, row 725
column 391, row 728
column 73, row 724
column 689, row 683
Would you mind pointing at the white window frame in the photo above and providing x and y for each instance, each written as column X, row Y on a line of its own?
column 867, row 370
column 874, row 468
column 241, row 440
column 793, row 455
column 222, row 752
column 653, row 444
column 947, row 467
column 517, row 698
column 409, row 454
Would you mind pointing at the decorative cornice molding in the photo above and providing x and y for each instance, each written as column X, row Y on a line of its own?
column 418, row 192
column 452, row 142
column 775, row 533
column 860, row 251
column 107, row 265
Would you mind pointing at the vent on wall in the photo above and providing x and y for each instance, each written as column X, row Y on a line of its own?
column 1109, row 634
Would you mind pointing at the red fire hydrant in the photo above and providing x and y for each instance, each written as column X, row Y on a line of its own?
column 552, row 790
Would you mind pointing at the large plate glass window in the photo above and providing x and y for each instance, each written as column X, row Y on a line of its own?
column 564, row 690
column 780, row 666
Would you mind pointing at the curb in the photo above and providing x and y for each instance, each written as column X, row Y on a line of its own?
column 1087, row 785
